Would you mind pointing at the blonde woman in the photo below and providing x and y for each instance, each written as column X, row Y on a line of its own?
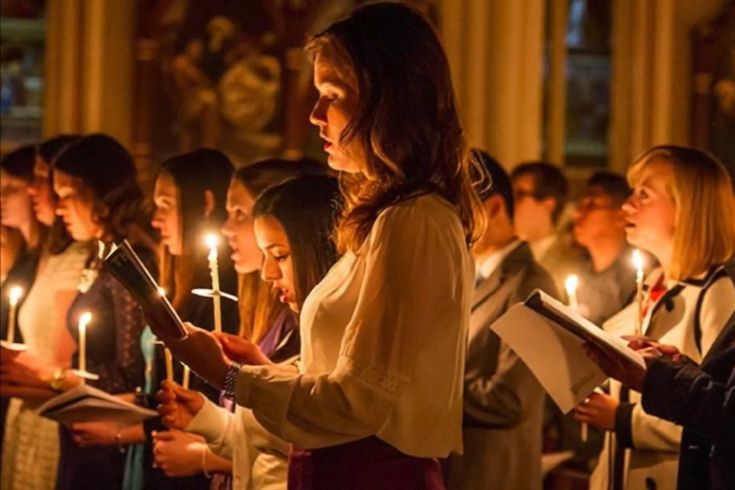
column 682, row 211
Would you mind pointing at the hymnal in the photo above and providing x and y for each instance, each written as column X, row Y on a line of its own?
column 125, row 265
column 85, row 403
column 548, row 336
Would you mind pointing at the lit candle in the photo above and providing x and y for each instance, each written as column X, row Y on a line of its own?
column 570, row 284
column 14, row 296
column 185, row 379
column 638, row 264
column 84, row 320
column 169, row 364
column 212, row 242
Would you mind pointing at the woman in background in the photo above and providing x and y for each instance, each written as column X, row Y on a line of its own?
column 22, row 236
column 293, row 227
column 682, row 211
column 31, row 443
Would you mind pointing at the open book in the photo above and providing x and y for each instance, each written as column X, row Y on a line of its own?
column 548, row 336
column 88, row 404
column 125, row 265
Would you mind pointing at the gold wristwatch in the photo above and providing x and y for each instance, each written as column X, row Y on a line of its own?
column 57, row 382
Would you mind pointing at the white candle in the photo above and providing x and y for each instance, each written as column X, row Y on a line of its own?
column 14, row 296
column 84, row 320
column 169, row 364
column 570, row 284
column 638, row 264
column 185, row 379
column 212, row 242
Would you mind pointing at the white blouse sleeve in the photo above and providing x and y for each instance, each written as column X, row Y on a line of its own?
column 218, row 426
column 408, row 293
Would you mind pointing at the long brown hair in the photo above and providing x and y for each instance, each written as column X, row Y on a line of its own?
column 258, row 302
column 406, row 119
column 193, row 174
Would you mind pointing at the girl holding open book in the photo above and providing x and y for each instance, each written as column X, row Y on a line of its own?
column 293, row 223
column 377, row 396
column 682, row 211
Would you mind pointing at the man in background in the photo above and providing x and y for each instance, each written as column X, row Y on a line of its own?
column 607, row 276
column 503, row 401
column 540, row 191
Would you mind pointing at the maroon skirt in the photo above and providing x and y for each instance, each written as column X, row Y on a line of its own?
column 367, row 464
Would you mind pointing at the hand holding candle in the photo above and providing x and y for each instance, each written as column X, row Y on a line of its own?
column 212, row 243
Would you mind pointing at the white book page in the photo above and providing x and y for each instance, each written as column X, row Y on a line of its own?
column 554, row 355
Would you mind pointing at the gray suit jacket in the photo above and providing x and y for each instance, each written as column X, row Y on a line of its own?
column 503, row 401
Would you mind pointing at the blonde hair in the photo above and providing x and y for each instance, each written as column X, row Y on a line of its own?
column 702, row 192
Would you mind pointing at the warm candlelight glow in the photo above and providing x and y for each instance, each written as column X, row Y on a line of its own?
column 212, row 241
column 570, row 284
column 637, row 260
column 84, row 320
column 14, row 295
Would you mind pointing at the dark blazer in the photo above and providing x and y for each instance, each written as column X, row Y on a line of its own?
column 503, row 401
column 702, row 400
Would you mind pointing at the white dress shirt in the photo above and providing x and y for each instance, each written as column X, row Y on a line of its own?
column 486, row 267
column 383, row 340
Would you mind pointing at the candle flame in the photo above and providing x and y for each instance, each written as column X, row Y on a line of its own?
column 15, row 294
column 85, row 319
column 638, row 259
column 211, row 240
column 571, row 283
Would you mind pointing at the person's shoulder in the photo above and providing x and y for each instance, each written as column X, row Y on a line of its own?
column 427, row 207
column 535, row 276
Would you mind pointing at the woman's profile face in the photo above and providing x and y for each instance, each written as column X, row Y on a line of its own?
column 167, row 217
column 333, row 111
column 41, row 193
column 15, row 203
column 650, row 211
column 277, row 265
column 75, row 209
column 239, row 230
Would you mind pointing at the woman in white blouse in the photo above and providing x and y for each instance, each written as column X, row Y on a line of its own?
column 377, row 396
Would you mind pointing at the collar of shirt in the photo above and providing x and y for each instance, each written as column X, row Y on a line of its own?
column 488, row 266
column 541, row 247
